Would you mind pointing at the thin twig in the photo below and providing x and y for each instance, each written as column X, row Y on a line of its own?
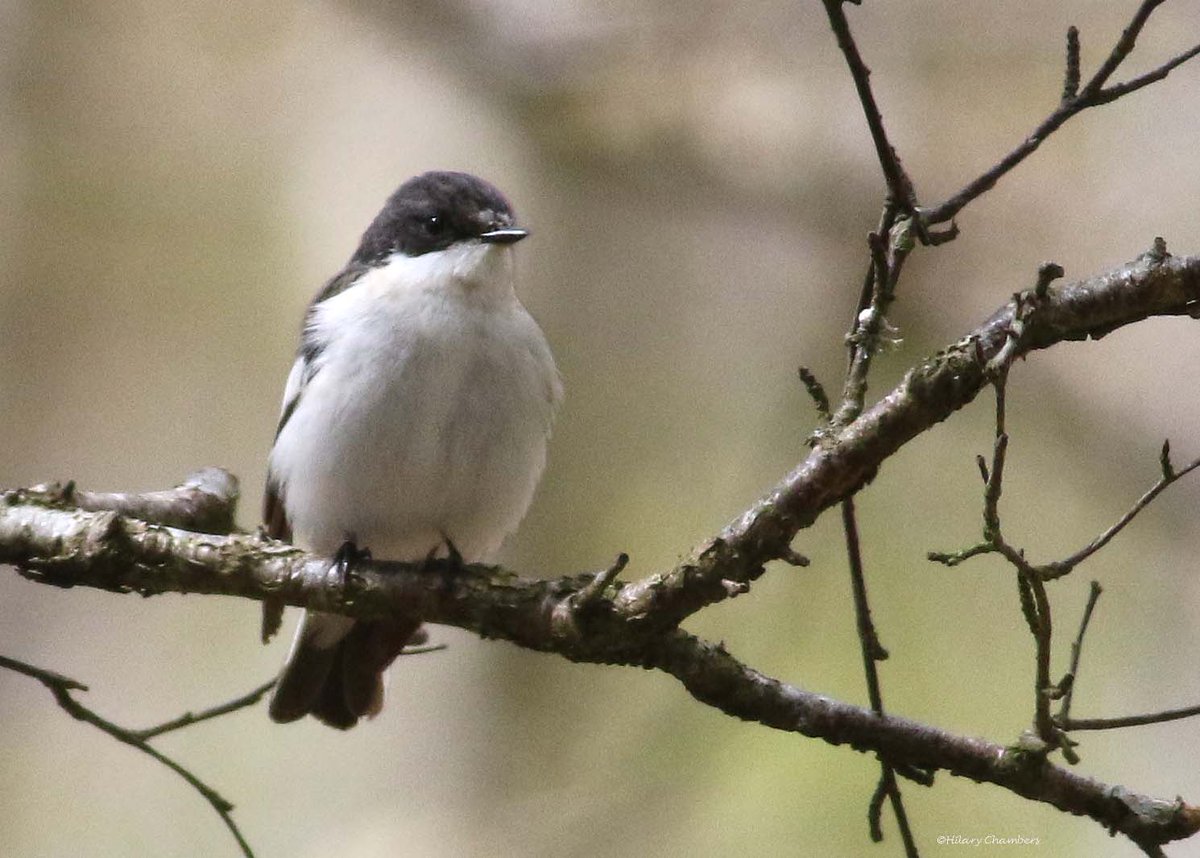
column 1035, row 604
column 1043, row 639
column 893, row 790
column 1093, row 94
column 872, row 652
column 594, row 589
column 1114, row 92
column 1064, row 710
column 900, row 188
column 872, row 649
column 816, row 392
column 1059, row 568
column 422, row 649
column 1128, row 720
column 61, row 687
column 1123, row 47
column 855, row 386
column 189, row 718
column 994, row 485
column 889, row 247
column 953, row 558
column 1071, row 77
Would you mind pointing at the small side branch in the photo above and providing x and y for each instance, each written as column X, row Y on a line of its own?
column 900, row 189
column 1068, row 683
column 187, row 719
column 1074, row 101
column 1035, row 603
column 205, row 502
column 1130, row 720
column 1059, row 568
column 1071, row 78
column 873, row 652
column 1031, row 580
column 870, row 330
column 1124, row 46
column 1063, row 719
column 62, row 688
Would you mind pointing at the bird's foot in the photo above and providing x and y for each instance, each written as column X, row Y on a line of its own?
column 347, row 557
column 454, row 557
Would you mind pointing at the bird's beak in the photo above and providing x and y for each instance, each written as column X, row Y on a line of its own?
column 510, row 235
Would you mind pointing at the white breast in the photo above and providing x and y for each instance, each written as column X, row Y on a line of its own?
column 428, row 415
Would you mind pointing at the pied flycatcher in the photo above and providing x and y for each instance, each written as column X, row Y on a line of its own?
column 414, row 420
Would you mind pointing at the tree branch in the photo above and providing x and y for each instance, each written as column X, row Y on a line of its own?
column 594, row 618
column 1155, row 284
column 206, row 501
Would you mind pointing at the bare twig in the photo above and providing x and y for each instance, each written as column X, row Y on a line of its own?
column 1063, row 719
column 1074, row 101
column 1043, row 638
column 1129, row 720
column 816, row 392
column 594, row 589
column 1112, row 93
column 900, row 187
column 61, row 687
column 187, row 719
column 887, row 782
column 1071, row 78
column 872, row 652
column 1059, row 568
column 1069, row 681
column 889, row 247
column 1035, row 603
column 1031, row 580
column 422, row 649
column 872, row 649
column 1123, row 47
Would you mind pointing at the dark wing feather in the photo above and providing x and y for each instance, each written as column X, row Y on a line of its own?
column 277, row 526
column 275, row 520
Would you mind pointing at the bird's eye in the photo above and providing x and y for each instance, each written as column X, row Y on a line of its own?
column 433, row 225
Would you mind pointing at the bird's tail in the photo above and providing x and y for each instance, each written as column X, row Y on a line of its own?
column 335, row 670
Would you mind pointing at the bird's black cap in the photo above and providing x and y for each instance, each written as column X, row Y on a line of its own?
column 433, row 211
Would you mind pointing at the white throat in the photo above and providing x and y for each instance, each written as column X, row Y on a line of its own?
column 482, row 271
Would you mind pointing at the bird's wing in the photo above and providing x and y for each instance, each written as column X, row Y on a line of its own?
column 305, row 367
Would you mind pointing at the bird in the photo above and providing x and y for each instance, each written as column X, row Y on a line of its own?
column 415, row 420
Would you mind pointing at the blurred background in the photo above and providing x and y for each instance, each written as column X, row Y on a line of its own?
column 179, row 178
